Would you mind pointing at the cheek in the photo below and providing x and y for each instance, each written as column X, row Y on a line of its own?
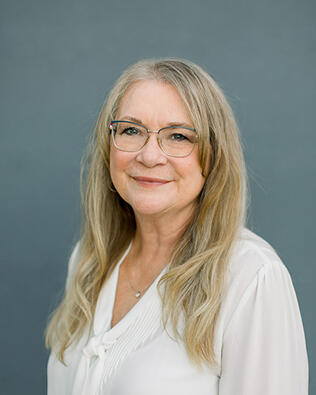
column 118, row 162
column 119, row 165
column 194, row 166
column 191, row 174
column 112, row 164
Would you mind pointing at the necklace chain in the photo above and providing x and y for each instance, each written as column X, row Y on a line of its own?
column 138, row 291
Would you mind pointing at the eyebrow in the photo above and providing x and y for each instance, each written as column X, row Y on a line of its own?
column 133, row 119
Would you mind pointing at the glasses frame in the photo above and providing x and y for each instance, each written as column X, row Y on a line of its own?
column 148, row 135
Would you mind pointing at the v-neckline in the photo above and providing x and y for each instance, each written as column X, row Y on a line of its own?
column 105, row 304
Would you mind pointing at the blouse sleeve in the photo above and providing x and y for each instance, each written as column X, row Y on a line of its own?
column 264, row 350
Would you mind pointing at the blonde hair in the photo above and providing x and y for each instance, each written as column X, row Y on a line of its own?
column 194, row 285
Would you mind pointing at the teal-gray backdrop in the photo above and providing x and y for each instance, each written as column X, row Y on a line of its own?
column 58, row 61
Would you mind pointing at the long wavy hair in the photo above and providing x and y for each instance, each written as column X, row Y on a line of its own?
column 194, row 285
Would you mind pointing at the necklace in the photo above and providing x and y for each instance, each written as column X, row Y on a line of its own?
column 138, row 291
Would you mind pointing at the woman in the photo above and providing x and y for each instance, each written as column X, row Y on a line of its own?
column 168, row 292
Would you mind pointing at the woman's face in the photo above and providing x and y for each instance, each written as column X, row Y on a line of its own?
column 152, row 182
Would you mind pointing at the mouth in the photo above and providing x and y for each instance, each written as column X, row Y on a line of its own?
column 150, row 181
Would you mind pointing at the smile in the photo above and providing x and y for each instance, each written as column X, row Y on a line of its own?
column 150, row 181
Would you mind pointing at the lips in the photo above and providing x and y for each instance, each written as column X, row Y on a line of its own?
column 150, row 181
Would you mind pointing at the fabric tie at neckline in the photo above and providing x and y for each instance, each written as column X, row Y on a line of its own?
column 97, row 346
column 90, row 369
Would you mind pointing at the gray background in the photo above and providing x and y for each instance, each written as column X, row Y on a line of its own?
column 58, row 61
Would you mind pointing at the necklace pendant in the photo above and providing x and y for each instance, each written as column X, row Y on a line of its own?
column 138, row 293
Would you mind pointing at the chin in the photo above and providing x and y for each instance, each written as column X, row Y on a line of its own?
column 150, row 207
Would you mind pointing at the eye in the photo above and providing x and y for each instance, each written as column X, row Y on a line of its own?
column 178, row 137
column 130, row 131
column 175, row 135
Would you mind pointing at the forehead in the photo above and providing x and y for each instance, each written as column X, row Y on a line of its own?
column 155, row 102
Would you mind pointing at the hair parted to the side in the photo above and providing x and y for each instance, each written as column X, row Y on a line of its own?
column 194, row 285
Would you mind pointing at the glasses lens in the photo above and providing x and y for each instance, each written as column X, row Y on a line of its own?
column 178, row 141
column 129, row 136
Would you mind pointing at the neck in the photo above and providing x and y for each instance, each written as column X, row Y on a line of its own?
column 155, row 240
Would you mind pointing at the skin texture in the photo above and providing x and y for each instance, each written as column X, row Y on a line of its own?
column 156, row 105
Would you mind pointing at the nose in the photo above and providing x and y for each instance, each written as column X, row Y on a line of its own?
column 151, row 154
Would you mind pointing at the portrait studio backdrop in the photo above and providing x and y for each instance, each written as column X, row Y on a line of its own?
column 58, row 61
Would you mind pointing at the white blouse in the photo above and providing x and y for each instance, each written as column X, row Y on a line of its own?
column 259, row 339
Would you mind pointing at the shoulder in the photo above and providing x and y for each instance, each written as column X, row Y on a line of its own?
column 255, row 270
column 251, row 255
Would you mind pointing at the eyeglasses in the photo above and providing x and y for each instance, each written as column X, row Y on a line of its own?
column 177, row 141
